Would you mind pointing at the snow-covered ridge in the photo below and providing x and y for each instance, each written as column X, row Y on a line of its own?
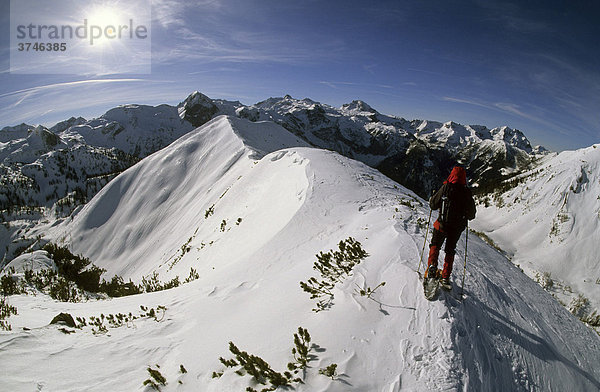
column 47, row 173
column 182, row 179
column 251, row 223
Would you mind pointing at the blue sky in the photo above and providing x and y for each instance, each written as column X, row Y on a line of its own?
column 531, row 65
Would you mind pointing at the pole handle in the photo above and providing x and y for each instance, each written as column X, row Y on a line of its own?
column 424, row 242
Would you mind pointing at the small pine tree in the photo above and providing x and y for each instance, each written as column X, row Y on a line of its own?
column 333, row 267
column 156, row 379
column 6, row 310
column 300, row 351
column 329, row 371
column 8, row 285
column 579, row 305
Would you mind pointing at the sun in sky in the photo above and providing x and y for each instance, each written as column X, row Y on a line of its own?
column 107, row 20
column 118, row 36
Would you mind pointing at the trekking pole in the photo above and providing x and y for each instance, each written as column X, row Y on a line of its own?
column 462, row 287
column 424, row 242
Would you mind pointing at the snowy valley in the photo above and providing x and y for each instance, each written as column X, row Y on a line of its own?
column 245, row 197
column 548, row 220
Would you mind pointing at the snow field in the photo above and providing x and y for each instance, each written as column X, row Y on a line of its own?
column 294, row 202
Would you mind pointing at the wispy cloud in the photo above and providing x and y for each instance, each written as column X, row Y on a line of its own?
column 172, row 13
column 337, row 85
column 468, row 102
column 213, row 31
column 507, row 108
column 567, row 88
column 33, row 90
column 54, row 102
column 191, row 46
column 425, row 71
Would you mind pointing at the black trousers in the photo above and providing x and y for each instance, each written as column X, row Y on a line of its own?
column 451, row 236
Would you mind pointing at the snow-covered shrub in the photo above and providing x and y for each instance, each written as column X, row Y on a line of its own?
column 544, row 280
column 6, row 310
column 592, row 319
column 300, row 351
column 258, row 368
column 209, row 211
column 368, row 292
column 76, row 277
column 156, row 379
column 329, row 371
column 101, row 324
column 8, row 285
column 499, row 200
column 118, row 288
column 579, row 305
column 152, row 283
column 64, row 290
column 333, row 267
column 192, row 276
column 262, row 372
column 75, row 268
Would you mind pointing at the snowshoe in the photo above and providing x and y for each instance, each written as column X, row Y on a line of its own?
column 446, row 284
column 431, row 284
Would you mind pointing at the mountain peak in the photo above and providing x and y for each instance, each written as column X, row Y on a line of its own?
column 287, row 102
column 41, row 136
column 197, row 109
column 358, row 106
column 513, row 137
column 66, row 124
column 15, row 132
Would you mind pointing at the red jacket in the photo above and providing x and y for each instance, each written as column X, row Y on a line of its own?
column 463, row 205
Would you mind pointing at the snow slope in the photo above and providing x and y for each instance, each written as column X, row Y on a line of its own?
column 508, row 334
column 134, row 129
column 550, row 221
column 185, row 181
column 47, row 173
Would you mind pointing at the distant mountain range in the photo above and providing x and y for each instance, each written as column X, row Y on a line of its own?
column 418, row 154
column 40, row 167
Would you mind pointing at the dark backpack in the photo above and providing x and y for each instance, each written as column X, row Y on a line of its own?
column 443, row 217
column 452, row 208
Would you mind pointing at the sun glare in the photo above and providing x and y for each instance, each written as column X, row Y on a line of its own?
column 108, row 19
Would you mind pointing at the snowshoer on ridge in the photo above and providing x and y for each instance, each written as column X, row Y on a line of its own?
column 455, row 202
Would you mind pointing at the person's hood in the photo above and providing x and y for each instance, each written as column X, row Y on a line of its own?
column 457, row 176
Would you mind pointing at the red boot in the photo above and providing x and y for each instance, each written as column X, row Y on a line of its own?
column 448, row 262
column 432, row 261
